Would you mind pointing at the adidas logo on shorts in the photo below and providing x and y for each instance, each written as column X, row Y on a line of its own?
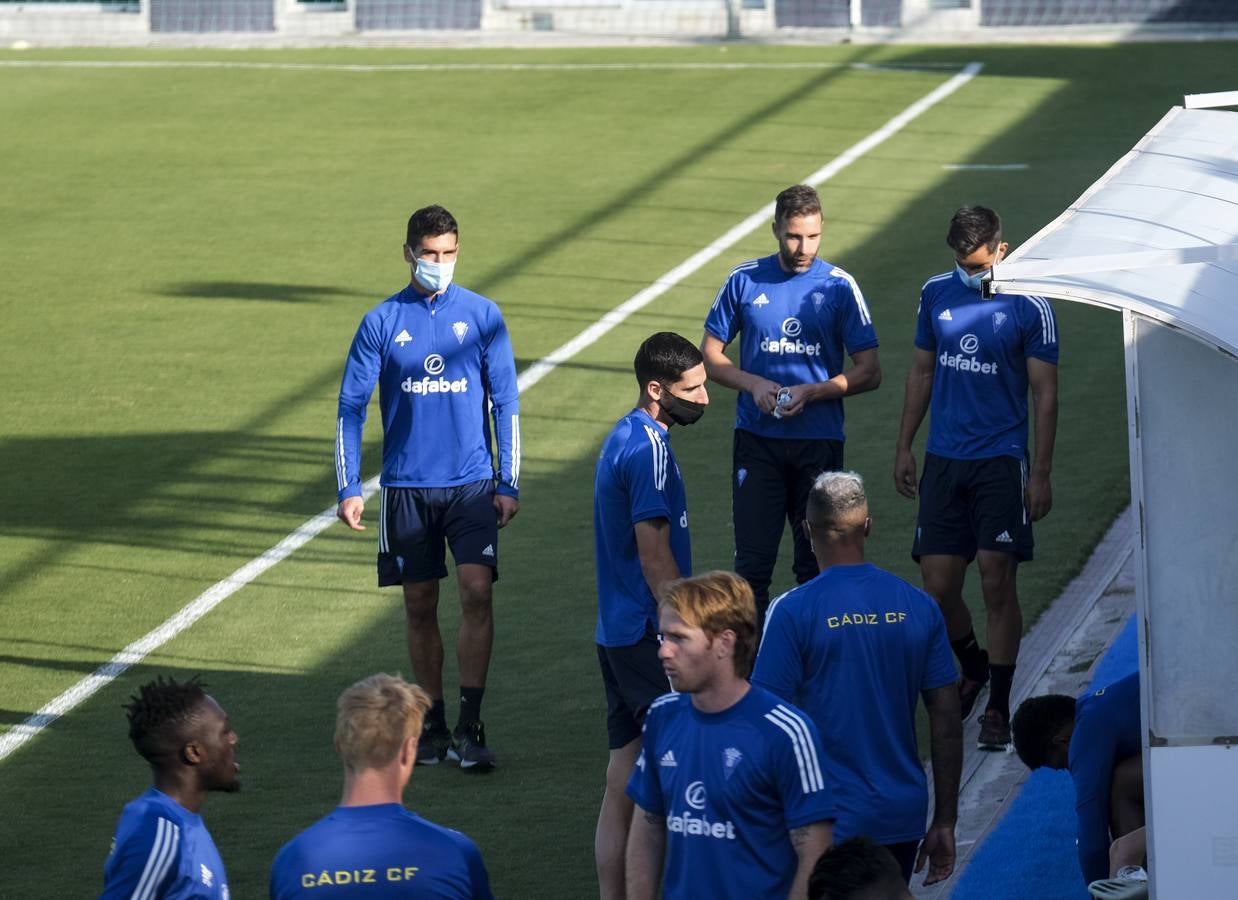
column 489, row 551
column 1005, row 538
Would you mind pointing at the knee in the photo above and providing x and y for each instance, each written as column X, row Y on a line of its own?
column 420, row 606
column 475, row 600
column 997, row 579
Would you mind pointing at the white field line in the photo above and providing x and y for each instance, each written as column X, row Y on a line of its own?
column 20, row 734
column 462, row 67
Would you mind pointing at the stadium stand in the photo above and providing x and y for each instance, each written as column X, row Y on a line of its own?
column 113, row 21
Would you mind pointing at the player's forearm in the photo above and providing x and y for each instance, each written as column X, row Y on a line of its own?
column 856, row 380
column 946, row 752
column 722, row 371
column 809, row 842
column 645, row 853
column 659, row 569
column 1044, row 412
column 916, row 395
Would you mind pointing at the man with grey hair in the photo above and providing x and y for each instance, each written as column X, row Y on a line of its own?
column 855, row 648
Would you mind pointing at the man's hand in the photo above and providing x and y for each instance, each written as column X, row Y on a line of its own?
column 1039, row 496
column 349, row 511
column 801, row 396
column 506, row 508
column 764, row 393
column 938, row 851
column 905, row 473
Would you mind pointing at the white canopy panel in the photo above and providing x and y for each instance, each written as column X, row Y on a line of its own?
column 1157, row 235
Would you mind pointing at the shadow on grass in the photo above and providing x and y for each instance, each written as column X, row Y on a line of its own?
column 254, row 290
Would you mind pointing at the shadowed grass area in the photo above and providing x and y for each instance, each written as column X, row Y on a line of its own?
column 188, row 253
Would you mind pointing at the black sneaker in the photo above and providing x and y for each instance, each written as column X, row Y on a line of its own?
column 468, row 746
column 433, row 745
column 969, row 689
column 994, row 731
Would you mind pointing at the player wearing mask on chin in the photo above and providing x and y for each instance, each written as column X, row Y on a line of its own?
column 795, row 316
column 441, row 357
column 976, row 358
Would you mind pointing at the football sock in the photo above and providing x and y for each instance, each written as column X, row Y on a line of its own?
column 1002, row 677
column 470, row 705
column 436, row 717
column 971, row 658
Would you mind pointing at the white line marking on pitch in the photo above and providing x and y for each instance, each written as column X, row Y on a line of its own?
column 461, row 67
column 20, row 734
column 985, row 167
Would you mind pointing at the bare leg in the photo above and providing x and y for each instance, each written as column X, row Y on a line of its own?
column 476, row 636
column 611, row 840
column 1001, row 603
column 1126, row 797
column 425, row 643
column 943, row 581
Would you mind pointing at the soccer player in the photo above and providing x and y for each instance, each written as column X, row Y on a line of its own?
column 856, row 648
column 1097, row 738
column 162, row 848
column 733, row 802
column 795, row 315
column 975, row 359
column 435, row 378
column 640, row 520
column 857, row 869
column 370, row 846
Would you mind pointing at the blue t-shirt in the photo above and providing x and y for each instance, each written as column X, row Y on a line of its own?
column 162, row 850
column 731, row 785
column 637, row 480
column 1107, row 731
column 434, row 375
column 854, row 648
column 793, row 328
column 979, row 402
column 379, row 851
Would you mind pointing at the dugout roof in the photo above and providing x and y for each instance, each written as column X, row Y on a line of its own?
column 1157, row 234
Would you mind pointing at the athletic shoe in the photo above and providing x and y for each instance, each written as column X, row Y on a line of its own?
column 434, row 744
column 994, row 731
column 1131, row 883
column 969, row 690
column 468, row 747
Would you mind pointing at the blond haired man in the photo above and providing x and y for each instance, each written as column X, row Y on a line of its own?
column 370, row 846
column 733, row 802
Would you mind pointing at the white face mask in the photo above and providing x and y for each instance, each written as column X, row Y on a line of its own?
column 432, row 276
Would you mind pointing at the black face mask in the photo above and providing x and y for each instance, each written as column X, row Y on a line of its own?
column 681, row 411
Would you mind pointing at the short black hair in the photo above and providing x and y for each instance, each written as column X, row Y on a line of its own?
column 797, row 200
column 664, row 357
column 854, row 869
column 159, row 713
column 1035, row 724
column 973, row 227
column 430, row 221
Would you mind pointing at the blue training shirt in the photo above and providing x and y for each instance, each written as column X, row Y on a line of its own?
column 379, row 851
column 162, row 850
column 793, row 329
column 438, row 366
column 1107, row 731
column 854, row 648
column 637, row 479
column 979, row 400
column 731, row 786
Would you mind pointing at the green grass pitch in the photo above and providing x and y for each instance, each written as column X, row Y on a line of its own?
column 187, row 252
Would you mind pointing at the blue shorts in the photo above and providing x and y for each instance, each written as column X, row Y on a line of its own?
column 971, row 504
column 416, row 525
column 633, row 678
